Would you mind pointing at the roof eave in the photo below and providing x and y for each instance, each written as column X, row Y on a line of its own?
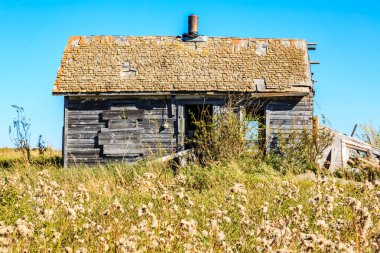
column 171, row 93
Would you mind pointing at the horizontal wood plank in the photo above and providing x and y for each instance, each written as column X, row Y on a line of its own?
column 119, row 150
column 82, row 135
column 122, row 123
column 84, row 128
column 123, row 114
column 83, row 121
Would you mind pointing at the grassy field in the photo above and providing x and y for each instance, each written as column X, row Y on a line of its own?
column 239, row 206
column 10, row 157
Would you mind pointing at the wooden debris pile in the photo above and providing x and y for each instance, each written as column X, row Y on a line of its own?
column 347, row 151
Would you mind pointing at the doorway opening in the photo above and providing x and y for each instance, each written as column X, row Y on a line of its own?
column 193, row 114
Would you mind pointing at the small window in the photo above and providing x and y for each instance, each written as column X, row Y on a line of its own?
column 252, row 133
column 255, row 127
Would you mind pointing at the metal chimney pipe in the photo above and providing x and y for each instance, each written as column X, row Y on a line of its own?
column 193, row 25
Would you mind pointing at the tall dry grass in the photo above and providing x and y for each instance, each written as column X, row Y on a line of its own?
column 236, row 207
column 370, row 135
column 11, row 157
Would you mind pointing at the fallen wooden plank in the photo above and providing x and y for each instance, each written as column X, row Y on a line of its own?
column 372, row 164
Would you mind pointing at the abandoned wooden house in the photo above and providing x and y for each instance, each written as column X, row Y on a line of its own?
column 125, row 96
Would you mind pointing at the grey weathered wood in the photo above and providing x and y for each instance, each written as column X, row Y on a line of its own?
column 289, row 122
column 122, row 123
column 82, row 121
column 65, row 133
column 122, row 131
column 286, row 116
column 80, row 141
column 289, row 115
column 123, row 114
column 120, row 150
column 90, row 161
column 83, row 152
column 82, row 116
column 85, row 128
column 81, row 135
column 117, row 129
column 181, row 127
column 118, row 136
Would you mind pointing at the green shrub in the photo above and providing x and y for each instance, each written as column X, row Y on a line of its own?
column 298, row 150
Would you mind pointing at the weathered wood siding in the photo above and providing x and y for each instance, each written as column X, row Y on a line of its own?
column 286, row 115
column 98, row 131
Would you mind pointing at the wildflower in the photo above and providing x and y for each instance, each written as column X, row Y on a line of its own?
column 220, row 237
column 71, row 213
column 81, row 250
column 44, row 173
column 190, row 226
column 56, row 236
column 79, row 208
column 173, row 209
column 22, row 229
column 154, row 220
column 99, row 229
column 81, row 194
column 105, row 244
column 6, row 230
column 242, row 208
column 106, row 212
column 227, row 219
column 238, row 188
column 366, row 224
column 149, row 175
column 4, row 243
column 264, row 208
column 204, row 233
column 245, row 220
column 48, row 214
column 322, row 224
column 170, row 229
column 181, row 193
column 167, row 197
column 143, row 210
column 181, row 179
column 354, row 203
column 116, row 204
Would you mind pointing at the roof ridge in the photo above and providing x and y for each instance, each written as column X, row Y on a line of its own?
column 179, row 37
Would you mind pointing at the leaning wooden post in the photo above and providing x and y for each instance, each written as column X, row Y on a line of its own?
column 315, row 128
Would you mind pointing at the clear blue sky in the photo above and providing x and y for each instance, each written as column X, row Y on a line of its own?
column 34, row 34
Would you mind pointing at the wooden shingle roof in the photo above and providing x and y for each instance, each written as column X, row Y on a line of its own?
column 117, row 64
